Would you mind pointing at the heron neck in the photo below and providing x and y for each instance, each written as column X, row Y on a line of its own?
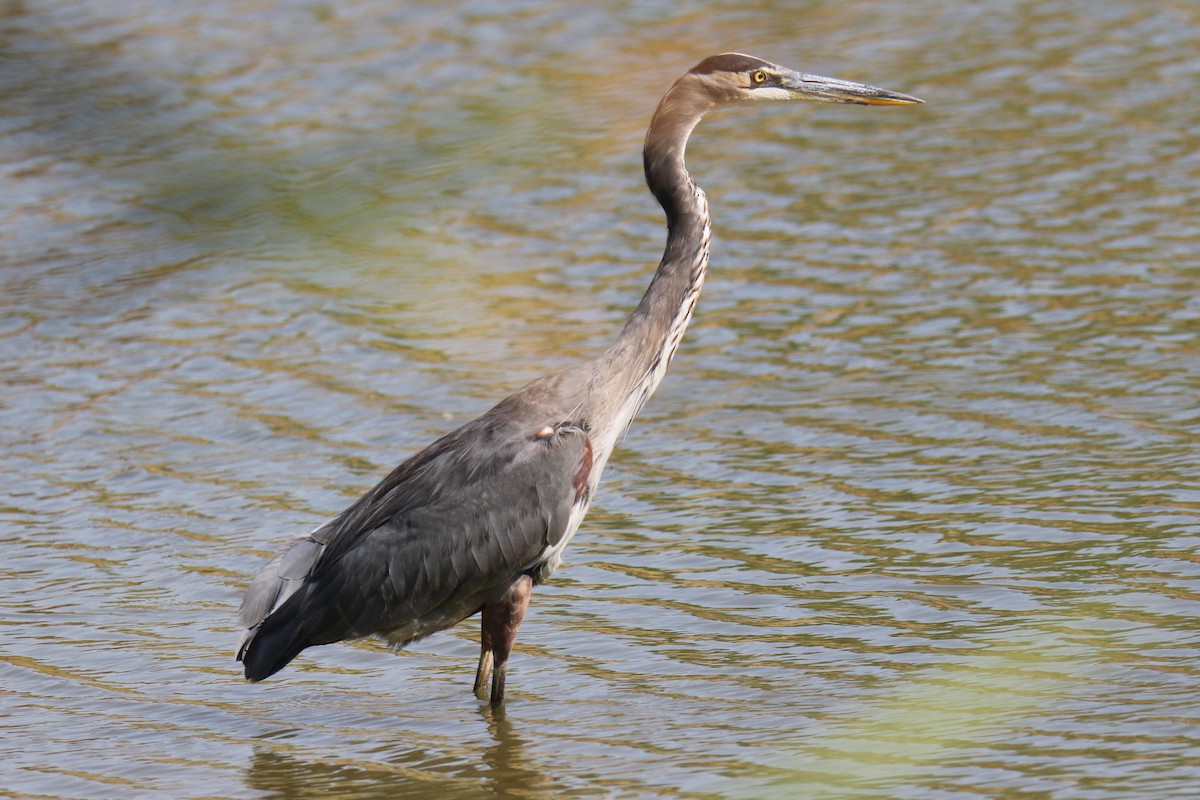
column 639, row 358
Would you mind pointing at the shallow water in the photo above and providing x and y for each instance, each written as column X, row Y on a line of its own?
column 914, row 515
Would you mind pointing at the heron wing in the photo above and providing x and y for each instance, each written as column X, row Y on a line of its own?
column 467, row 514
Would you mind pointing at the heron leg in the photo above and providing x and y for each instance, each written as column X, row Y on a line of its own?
column 485, row 654
column 501, row 618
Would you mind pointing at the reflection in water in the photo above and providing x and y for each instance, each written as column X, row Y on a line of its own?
column 279, row 775
column 401, row 769
column 510, row 772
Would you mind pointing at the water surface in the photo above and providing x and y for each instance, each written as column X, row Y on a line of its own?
column 914, row 515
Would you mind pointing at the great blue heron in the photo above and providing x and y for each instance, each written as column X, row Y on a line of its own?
column 477, row 519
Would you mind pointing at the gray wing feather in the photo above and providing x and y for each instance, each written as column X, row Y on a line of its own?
column 482, row 525
column 470, row 512
column 279, row 579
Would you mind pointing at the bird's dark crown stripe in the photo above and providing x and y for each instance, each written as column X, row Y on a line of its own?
column 729, row 62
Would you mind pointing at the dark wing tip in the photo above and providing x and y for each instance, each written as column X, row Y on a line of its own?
column 275, row 642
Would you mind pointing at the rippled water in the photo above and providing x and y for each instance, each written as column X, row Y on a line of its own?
column 915, row 514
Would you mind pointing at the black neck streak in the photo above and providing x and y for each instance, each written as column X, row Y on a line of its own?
column 646, row 344
column 674, row 119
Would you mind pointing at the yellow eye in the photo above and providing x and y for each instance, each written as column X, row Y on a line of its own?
column 760, row 77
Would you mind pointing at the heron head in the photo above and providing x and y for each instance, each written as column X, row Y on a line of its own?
column 728, row 78
column 735, row 76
